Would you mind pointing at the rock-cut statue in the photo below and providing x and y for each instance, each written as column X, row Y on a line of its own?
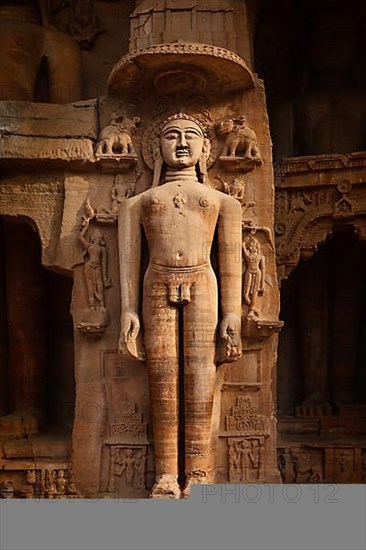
column 186, row 307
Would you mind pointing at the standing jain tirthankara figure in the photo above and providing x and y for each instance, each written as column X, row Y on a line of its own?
column 179, row 217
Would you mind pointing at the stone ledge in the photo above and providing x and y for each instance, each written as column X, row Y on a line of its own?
column 23, row 118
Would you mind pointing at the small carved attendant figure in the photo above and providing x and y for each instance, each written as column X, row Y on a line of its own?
column 70, row 485
column 129, row 464
column 61, row 483
column 95, row 266
column 235, row 189
column 120, row 191
column 30, row 482
column 50, row 484
column 179, row 218
column 253, row 285
column 246, row 458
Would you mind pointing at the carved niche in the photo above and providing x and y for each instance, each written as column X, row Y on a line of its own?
column 127, row 445
column 177, row 87
column 246, row 429
column 246, row 459
column 313, row 195
column 94, row 319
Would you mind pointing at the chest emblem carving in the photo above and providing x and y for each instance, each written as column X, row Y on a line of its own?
column 179, row 200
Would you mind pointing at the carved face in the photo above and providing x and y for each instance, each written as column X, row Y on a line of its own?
column 182, row 143
column 96, row 237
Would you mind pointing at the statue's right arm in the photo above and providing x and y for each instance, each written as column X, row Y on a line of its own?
column 129, row 249
column 85, row 226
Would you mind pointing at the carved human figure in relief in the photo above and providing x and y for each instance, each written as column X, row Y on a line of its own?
column 246, row 458
column 120, row 191
column 253, row 284
column 179, row 218
column 28, row 488
column 128, row 464
column 61, row 483
column 50, row 484
column 95, row 266
column 235, row 189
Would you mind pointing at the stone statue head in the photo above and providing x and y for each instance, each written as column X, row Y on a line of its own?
column 183, row 144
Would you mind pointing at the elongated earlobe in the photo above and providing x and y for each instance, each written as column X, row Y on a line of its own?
column 202, row 163
column 158, row 164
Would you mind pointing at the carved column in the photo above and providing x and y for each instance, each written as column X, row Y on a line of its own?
column 26, row 322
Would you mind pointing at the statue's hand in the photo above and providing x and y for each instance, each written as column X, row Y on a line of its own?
column 230, row 334
column 130, row 326
column 85, row 222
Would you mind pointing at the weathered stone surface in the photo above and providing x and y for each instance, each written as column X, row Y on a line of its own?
column 26, row 40
column 22, row 118
column 13, row 147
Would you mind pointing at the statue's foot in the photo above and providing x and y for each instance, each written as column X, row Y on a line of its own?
column 166, row 486
column 198, row 477
column 20, row 424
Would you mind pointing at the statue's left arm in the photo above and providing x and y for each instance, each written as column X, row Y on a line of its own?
column 229, row 232
column 129, row 247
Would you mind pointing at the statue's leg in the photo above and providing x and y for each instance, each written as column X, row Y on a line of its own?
column 89, row 280
column 246, row 287
column 99, row 287
column 161, row 348
column 200, row 326
column 255, row 294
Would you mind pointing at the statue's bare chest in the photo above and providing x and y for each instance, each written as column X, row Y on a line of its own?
column 179, row 202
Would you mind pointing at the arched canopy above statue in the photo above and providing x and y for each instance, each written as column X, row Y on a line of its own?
column 178, row 68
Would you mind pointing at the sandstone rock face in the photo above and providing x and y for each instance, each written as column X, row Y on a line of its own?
column 142, row 245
